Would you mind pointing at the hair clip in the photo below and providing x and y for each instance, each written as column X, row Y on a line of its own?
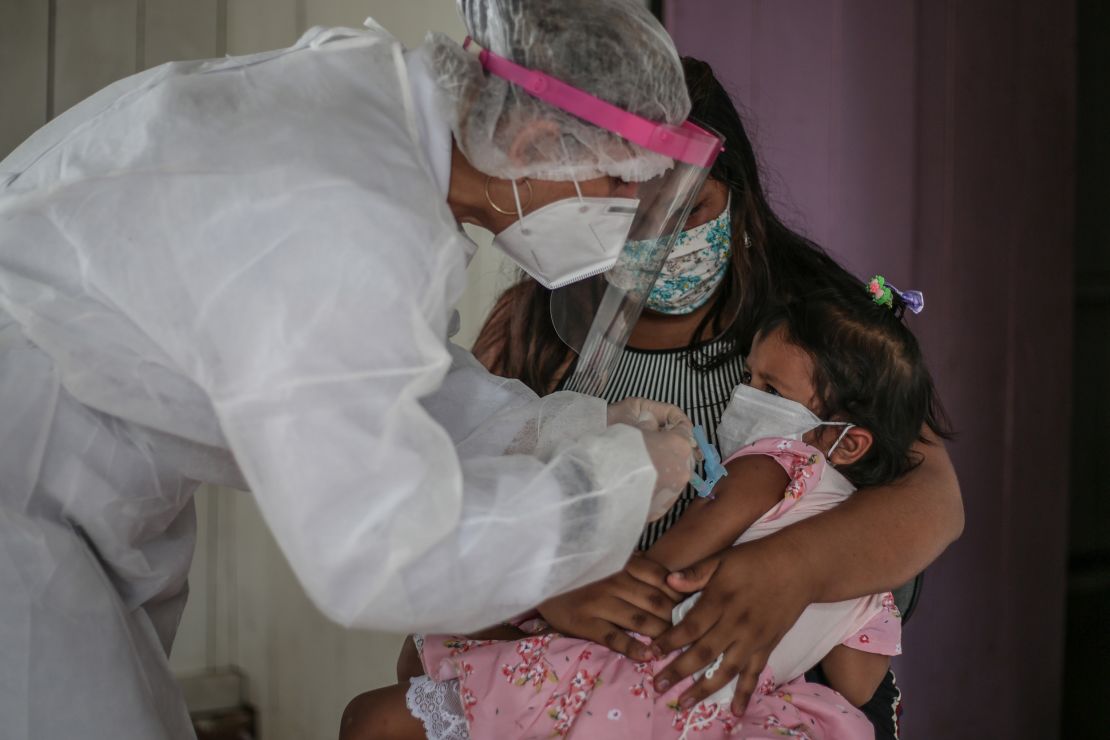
column 712, row 468
column 880, row 292
column 883, row 295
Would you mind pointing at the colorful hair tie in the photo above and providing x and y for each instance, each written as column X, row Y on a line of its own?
column 879, row 291
column 882, row 294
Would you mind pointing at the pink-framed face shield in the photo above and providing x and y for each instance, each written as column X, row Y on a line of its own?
column 595, row 311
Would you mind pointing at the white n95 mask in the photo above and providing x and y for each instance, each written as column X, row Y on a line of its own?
column 570, row 239
column 753, row 415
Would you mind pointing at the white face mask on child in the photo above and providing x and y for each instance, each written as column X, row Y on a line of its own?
column 753, row 415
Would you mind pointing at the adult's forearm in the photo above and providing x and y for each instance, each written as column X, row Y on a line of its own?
column 881, row 537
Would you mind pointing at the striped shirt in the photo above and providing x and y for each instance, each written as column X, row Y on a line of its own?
column 667, row 376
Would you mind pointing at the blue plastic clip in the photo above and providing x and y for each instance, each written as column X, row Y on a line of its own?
column 712, row 467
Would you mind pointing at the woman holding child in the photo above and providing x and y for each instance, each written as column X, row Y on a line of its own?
column 734, row 262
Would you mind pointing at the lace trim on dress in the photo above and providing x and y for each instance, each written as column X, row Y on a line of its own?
column 438, row 707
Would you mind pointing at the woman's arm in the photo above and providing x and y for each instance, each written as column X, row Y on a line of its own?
column 881, row 537
column 752, row 594
column 755, row 483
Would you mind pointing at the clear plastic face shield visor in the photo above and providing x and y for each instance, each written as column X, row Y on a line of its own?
column 596, row 314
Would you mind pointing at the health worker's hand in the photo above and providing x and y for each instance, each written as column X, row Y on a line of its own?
column 751, row 596
column 637, row 599
column 651, row 416
column 669, row 439
column 674, row 461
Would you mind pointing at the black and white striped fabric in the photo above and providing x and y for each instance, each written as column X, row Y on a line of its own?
column 666, row 376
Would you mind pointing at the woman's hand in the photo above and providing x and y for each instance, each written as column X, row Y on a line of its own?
column 637, row 598
column 750, row 598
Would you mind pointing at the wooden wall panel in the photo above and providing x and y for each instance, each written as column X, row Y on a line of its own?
column 24, row 65
column 173, row 30
column 95, row 44
column 190, row 648
column 409, row 21
column 259, row 25
column 302, row 668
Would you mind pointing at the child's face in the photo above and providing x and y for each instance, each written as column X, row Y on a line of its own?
column 782, row 369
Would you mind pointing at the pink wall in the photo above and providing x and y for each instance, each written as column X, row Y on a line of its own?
column 933, row 142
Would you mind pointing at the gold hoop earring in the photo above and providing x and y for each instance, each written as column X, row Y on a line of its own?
column 494, row 206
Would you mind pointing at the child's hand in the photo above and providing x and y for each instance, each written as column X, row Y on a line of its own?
column 637, row 599
column 750, row 599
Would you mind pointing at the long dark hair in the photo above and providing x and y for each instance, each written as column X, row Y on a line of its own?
column 518, row 340
column 868, row 370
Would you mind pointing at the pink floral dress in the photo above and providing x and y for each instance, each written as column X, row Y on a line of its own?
column 551, row 686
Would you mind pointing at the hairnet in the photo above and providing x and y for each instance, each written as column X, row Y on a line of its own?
column 613, row 49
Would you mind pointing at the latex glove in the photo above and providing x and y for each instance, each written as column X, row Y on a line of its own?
column 752, row 594
column 636, row 599
column 651, row 416
column 668, row 436
column 673, row 455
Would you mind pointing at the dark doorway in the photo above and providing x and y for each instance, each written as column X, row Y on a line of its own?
column 1087, row 642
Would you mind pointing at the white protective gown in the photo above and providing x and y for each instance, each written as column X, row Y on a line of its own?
column 247, row 266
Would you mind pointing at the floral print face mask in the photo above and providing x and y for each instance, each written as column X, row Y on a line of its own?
column 694, row 268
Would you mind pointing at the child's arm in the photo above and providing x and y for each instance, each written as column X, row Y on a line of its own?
column 854, row 673
column 755, row 483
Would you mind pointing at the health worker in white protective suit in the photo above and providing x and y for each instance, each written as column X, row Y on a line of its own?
column 243, row 270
